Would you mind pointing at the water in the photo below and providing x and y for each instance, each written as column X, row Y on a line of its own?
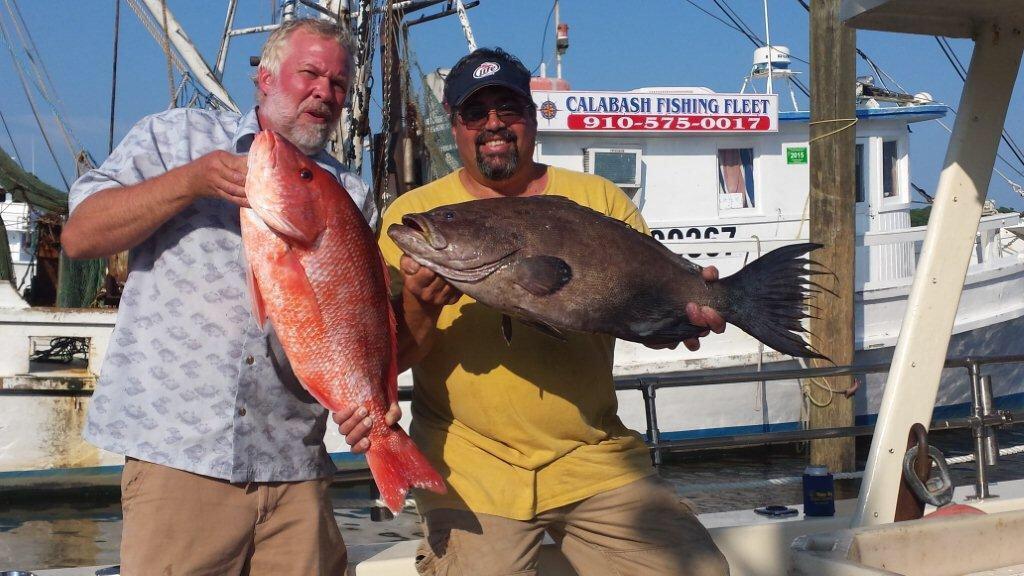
column 84, row 532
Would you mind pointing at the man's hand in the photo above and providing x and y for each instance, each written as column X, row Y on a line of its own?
column 220, row 174
column 703, row 316
column 354, row 424
column 426, row 286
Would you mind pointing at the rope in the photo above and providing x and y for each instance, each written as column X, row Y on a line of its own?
column 850, row 123
column 693, row 489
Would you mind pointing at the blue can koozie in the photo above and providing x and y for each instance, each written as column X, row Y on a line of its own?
column 819, row 492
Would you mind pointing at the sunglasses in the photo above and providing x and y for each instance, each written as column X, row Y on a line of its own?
column 475, row 116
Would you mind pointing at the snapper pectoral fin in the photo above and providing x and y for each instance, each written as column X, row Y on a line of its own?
column 542, row 275
column 294, row 218
column 259, row 311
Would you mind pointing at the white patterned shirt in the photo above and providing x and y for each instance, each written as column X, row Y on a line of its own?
column 189, row 380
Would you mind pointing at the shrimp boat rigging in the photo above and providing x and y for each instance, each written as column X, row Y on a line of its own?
column 746, row 193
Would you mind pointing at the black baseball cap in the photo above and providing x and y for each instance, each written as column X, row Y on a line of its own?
column 482, row 68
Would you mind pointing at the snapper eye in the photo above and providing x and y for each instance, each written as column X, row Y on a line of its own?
column 306, row 174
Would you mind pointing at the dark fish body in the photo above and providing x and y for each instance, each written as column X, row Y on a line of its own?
column 549, row 261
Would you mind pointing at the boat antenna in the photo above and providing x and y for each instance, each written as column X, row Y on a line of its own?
column 768, row 42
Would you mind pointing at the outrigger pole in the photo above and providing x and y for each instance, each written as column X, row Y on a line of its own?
column 184, row 46
column 910, row 391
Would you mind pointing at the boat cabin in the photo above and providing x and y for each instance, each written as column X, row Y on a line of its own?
column 703, row 165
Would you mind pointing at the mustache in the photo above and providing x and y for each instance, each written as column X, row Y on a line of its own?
column 503, row 133
column 321, row 109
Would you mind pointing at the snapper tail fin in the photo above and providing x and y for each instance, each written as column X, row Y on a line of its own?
column 768, row 299
column 397, row 465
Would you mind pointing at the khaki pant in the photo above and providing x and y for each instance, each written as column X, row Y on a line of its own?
column 641, row 529
column 182, row 524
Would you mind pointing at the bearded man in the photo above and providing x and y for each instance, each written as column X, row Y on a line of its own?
column 226, row 472
column 525, row 434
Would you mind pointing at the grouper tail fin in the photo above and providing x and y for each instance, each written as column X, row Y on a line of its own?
column 768, row 298
column 397, row 465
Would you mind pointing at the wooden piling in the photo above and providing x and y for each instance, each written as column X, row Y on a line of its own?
column 832, row 139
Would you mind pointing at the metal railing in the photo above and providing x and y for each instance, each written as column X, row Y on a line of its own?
column 983, row 420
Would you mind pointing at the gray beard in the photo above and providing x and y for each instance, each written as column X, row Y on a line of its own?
column 501, row 170
column 310, row 139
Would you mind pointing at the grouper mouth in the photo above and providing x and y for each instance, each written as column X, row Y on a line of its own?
column 425, row 244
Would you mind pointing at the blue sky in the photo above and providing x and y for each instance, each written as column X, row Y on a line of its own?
column 614, row 45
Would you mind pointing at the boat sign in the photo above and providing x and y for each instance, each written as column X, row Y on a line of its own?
column 796, row 155
column 577, row 111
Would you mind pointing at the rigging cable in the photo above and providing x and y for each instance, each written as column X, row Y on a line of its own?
column 544, row 37
column 14, row 147
column 947, row 49
column 113, row 82
column 742, row 28
column 959, row 68
column 31, row 102
column 41, row 78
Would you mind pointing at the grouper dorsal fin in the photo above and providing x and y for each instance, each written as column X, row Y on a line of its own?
column 542, row 275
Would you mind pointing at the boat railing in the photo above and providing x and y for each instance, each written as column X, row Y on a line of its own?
column 988, row 245
column 984, row 418
column 983, row 421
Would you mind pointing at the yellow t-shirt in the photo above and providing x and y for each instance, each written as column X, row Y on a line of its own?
column 520, row 428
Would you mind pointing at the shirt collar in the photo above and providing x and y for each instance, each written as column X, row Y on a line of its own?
column 248, row 126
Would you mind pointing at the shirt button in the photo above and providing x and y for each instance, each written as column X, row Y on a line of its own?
column 249, row 360
column 241, row 411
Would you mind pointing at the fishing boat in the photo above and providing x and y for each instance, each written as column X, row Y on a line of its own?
column 744, row 165
column 723, row 178
column 861, row 539
column 874, row 535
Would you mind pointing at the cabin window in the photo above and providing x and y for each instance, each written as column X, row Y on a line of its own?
column 736, row 178
column 890, row 167
column 858, row 172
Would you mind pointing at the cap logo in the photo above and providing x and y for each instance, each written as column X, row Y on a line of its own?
column 486, row 69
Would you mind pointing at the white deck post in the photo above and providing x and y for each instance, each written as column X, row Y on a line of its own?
column 913, row 381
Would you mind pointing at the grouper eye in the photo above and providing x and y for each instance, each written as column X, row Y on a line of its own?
column 449, row 215
column 306, row 174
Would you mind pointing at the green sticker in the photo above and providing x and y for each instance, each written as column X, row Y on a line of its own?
column 796, row 155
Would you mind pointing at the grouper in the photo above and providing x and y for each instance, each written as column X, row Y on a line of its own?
column 557, row 265
column 317, row 276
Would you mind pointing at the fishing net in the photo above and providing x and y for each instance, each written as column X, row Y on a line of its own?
column 79, row 280
column 6, row 266
column 442, row 155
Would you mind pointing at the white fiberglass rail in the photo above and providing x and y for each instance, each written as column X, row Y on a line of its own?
column 988, row 236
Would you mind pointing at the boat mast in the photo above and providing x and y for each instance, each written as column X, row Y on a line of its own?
column 206, row 77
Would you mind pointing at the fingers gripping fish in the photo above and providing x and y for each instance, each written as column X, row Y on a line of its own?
column 317, row 275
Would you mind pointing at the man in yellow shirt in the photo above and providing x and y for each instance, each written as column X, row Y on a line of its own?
column 525, row 433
